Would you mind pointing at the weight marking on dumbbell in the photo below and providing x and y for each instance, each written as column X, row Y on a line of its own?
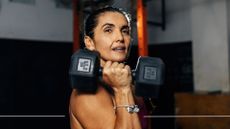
column 150, row 73
column 84, row 65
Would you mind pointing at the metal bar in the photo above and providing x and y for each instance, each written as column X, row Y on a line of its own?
column 141, row 29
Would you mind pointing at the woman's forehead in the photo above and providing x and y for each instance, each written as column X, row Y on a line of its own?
column 113, row 18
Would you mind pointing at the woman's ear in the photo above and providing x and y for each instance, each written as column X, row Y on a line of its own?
column 89, row 44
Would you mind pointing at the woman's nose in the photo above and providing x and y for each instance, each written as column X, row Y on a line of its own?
column 120, row 37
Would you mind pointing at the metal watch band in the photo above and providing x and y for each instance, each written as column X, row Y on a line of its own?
column 129, row 108
column 133, row 109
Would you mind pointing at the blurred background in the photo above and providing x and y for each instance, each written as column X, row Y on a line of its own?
column 38, row 37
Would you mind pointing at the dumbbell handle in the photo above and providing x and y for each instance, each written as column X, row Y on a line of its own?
column 101, row 69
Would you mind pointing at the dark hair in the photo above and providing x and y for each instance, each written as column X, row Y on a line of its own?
column 92, row 20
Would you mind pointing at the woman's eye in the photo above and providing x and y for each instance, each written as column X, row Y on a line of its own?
column 126, row 31
column 108, row 30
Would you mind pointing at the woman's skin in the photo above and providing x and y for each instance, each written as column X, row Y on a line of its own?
column 96, row 111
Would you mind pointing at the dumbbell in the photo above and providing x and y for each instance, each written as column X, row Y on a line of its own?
column 85, row 70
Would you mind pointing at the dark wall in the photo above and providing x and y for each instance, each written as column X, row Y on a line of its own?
column 178, row 60
column 34, row 81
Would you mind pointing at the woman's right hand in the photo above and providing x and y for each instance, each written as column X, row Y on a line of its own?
column 117, row 75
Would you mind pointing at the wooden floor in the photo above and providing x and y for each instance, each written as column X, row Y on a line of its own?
column 202, row 111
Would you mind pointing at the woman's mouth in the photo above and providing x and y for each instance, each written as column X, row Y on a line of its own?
column 119, row 49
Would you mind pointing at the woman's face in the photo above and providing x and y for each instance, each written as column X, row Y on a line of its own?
column 112, row 37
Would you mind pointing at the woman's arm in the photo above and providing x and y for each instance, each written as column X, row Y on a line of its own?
column 94, row 111
column 123, row 117
column 135, row 118
column 97, row 112
column 74, row 123
column 118, row 76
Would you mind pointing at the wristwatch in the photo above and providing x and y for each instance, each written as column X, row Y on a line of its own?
column 129, row 108
column 132, row 109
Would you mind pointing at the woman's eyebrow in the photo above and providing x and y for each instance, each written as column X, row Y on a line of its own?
column 125, row 27
column 108, row 24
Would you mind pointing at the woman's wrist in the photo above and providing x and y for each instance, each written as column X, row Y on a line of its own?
column 130, row 108
column 124, row 89
column 121, row 96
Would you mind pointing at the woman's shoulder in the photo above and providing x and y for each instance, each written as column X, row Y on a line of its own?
column 82, row 100
column 91, row 109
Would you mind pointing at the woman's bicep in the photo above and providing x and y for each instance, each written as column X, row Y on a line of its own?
column 91, row 114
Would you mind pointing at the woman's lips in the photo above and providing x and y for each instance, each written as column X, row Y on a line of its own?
column 119, row 49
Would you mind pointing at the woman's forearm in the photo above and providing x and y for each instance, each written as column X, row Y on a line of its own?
column 128, row 119
column 135, row 119
column 123, row 117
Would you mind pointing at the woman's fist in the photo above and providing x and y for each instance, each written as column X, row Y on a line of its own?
column 117, row 75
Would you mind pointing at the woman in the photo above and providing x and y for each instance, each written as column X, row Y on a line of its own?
column 107, row 31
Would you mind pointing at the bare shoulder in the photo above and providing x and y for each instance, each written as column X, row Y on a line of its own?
column 92, row 110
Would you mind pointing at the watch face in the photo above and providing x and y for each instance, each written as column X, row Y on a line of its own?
column 132, row 109
column 136, row 109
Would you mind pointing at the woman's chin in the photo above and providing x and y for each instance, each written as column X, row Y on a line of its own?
column 120, row 59
column 117, row 58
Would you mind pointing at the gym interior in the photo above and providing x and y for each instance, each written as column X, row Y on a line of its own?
column 38, row 38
